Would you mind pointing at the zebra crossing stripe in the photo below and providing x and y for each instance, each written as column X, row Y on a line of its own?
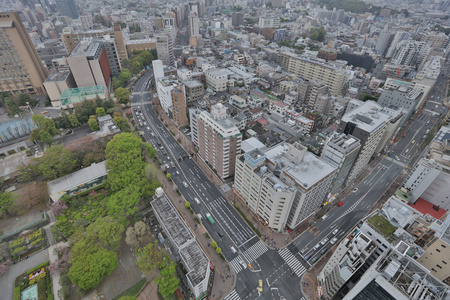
column 232, row 296
column 236, row 265
column 292, row 261
column 255, row 251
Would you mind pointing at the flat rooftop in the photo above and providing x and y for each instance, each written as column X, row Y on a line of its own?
column 368, row 116
column 77, row 178
column 86, row 47
column 192, row 83
column 75, row 95
column 307, row 173
column 173, row 224
column 57, row 76
column 193, row 257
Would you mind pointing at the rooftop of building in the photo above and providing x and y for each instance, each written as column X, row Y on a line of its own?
column 401, row 271
column 169, row 80
column 308, row 172
column 216, row 72
column 77, row 178
column 428, row 208
column 174, row 225
column 141, row 41
column 368, row 116
column 86, row 47
column 383, row 226
column 75, row 95
column 250, row 144
column 343, row 141
column 192, row 83
column 192, row 255
column 57, row 76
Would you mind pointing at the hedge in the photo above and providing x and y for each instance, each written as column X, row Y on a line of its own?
column 17, row 295
column 37, row 267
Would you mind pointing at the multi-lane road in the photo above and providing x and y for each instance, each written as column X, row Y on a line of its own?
column 279, row 269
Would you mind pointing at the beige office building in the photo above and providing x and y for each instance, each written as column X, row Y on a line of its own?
column 179, row 106
column 217, row 138
column 334, row 76
column 72, row 38
column 22, row 69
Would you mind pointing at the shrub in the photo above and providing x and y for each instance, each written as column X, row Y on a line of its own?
column 17, row 293
column 214, row 244
column 19, row 249
column 37, row 267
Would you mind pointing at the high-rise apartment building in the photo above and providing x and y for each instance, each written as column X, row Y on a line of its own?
column 179, row 106
column 22, row 69
column 399, row 36
column 89, row 64
column 368, row 124
column 193, row 25
column 237, row 19
column 194, row 33
column 72, row 38
column 67, row 8
column 217, row 138
column 164, row 48
column 332, row 75
column 410, row 53
column 341, row 151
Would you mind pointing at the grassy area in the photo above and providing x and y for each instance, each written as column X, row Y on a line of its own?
column 382, row 225
column 247, row 220
column 132, row 291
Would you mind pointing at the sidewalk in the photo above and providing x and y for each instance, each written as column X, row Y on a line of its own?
column 309, row 284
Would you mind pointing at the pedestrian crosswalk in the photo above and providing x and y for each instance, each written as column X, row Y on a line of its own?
column 232, row 296
column 236, row 265
column 251, row 254
column 255, row 251
column 303, row 298
column 395, row 161
column 292, row 262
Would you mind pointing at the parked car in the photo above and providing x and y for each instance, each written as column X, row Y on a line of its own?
column 324, row 241
column 335, row 231
column 333, row 240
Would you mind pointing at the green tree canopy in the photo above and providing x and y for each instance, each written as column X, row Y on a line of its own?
column 45, row 136
column 127, row 298
column 125, row 161
column 125, row 75
column 88, row 270
column 149, row 258
column 93, row 124
column 122, row 123
column 100, row 111
column 107, row 231
column 123, row 203
column 6, row 202
column 12, row 106
column 122, row 95
column 137, row 66
column 168, row 280
column 74, row 121
column 57, row 161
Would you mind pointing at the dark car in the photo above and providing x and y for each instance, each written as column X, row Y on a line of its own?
column 220, row 234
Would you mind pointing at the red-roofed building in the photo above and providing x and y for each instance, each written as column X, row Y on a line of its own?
column 263, row 122
column 429, row 208
column 278, row 107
